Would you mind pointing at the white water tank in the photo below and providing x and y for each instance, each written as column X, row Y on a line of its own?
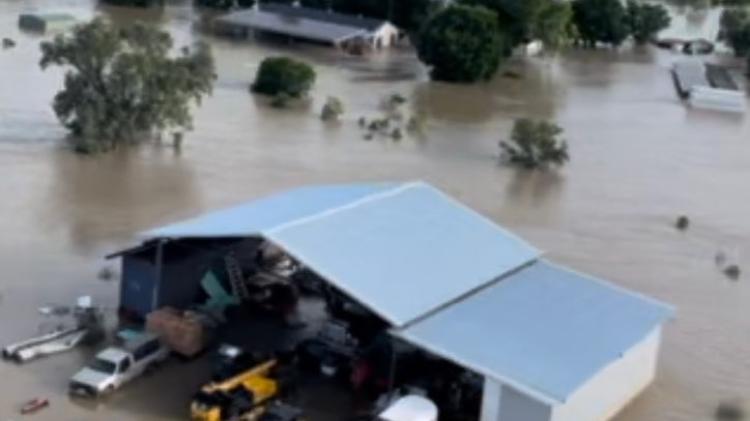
column 411, row 408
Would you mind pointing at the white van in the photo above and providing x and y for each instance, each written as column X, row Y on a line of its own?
column 116, row 366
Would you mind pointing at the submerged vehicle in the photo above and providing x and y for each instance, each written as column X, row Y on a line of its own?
column 116, row 366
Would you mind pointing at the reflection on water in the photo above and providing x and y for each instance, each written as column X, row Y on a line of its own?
column 639, row 159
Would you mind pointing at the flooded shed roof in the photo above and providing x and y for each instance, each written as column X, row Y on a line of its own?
column 401, row 250
column 302, row 25
column 544, row 329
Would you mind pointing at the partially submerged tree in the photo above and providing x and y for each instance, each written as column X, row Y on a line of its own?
column 600, row 21
column 122, row 85
column 645, row 20
column 332, row 109
column 284, row 76
column 535, row 144
column 461, row 44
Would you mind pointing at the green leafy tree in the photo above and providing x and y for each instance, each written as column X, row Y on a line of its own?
column 332, row 109
column 525, row 20
column 602, row 21
column 535, row 144
column 646, row 20
column 123, row 85
column 735, row 30
column 461, row 44
column 284, row 76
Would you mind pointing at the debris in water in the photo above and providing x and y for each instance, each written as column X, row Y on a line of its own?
column 368, row 136
column 362, row 122
column 732, row 272
column 54, row 310
column 396, row 134
column 106, row 273
column 510, row 74
column 8, row 43
column 683, row 222
column 34, row 405
column 730, row 411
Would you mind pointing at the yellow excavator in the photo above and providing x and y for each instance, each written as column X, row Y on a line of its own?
column 242, row 397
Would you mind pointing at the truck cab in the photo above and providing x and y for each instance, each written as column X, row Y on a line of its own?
column 115, row 366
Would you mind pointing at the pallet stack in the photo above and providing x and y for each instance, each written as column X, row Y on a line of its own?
column 184, row 332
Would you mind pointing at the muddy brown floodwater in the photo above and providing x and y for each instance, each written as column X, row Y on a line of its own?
column 640, row 159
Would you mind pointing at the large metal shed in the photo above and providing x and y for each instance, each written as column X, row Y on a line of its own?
column 551, row 343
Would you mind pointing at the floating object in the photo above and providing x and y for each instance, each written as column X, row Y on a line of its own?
column 732, row 272
column 34, row 405
column 106, row 273
column 8, row 43
column 730, row 411
column 682, row 223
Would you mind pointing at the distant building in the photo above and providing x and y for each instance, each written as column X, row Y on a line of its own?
column 314, row 25
column 45, row 22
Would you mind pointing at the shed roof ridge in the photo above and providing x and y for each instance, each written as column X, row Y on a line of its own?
column 353, row 204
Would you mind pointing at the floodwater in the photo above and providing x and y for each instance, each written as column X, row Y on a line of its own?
column 639, row 159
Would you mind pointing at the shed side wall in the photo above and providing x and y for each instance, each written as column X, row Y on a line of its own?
column 615, row 386
column 515, row 406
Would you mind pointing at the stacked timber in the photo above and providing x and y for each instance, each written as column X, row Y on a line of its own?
column 184, row 332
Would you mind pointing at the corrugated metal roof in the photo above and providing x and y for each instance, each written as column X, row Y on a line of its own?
column 361, row 22
column 252, row 218
column 545, row 329
column 404, row 252
column 401, row 250
column 297, row 26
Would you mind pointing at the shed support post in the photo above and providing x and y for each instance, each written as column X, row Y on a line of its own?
column 492, row 394
column 159, row 266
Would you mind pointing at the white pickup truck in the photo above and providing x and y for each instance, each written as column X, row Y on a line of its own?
column 116, row 366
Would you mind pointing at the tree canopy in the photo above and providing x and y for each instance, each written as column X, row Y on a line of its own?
column 735, row 30
column 284, row 76
column 462, row 44
column 122, row 85
column 525, row 20
column 602, row 21
column 645, row 20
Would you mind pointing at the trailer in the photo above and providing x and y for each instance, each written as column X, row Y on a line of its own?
column 47, row 344
column 87, row 328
